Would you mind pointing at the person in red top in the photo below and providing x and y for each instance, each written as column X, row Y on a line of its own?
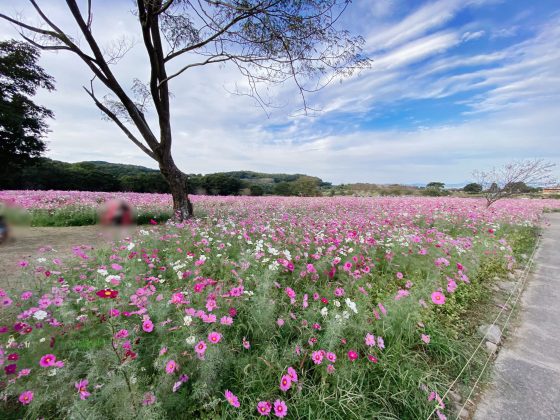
column 117, row 213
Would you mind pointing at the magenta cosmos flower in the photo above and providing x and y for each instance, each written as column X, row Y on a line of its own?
column 214, row 337
column 280, row 408
column 26, row 397
column 231, row 398
column 47, row 360
column 264, row 408
column 81, row 386
column 285, row 383
column 352, row 355
column 438, row 298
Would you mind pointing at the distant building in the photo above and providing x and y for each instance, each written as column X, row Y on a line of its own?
column 551, row 191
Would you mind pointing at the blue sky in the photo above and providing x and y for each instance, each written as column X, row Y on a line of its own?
column 455, row 85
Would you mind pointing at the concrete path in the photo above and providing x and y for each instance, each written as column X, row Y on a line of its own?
column 526, row 376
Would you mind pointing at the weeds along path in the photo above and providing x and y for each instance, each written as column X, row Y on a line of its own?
column 526, row 377
column 26, row 243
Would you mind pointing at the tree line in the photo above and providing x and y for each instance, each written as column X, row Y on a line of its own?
column 48, row 174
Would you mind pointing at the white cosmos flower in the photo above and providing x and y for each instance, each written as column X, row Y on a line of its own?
column 40, row 315
column 191, row 340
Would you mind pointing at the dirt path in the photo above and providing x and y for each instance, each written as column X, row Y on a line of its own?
column 526, row 377
column 26, row 243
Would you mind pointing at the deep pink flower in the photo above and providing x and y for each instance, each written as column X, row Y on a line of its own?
column 26, row 397
column 214, row 337
column 264, row 408
column 280, row 408
column 231, row 398
column 47, row 360
column 438, row 298
column 352, row 355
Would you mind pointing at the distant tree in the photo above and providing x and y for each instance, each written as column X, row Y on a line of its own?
column 472, row 188
column 435, row 189
column 268, row 41
column 221, row 184
column 283, row 188
column 505, row 181
column 256, row 190
column 306, row 186
column 22, row 122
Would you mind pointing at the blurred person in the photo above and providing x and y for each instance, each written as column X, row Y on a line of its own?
column 3, row 229
column 117, row 213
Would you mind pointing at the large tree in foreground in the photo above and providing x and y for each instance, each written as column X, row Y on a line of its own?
column 22, row 122
column 269, row 41
column 505, row 181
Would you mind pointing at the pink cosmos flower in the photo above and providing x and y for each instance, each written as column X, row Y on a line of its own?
column 451, row 286
column 280, row 408
column 170, row 367
column 438, row 298
column 246, row 344
column 370, row 340
column 280, row 322
column 293, row 374
column 214, row 337
column 47, row 360
column 331, row 357
column 352, row 355
column 226, row 320
column 372, row 358
column 264, row 408
column 285, row 383
column 399, row 275
column 149, row 398
column 121, row 334
column 317, row 357
column 231, row 398
column 148, row 325
column 426, row 338
column 81, row 386
column 339, row 291
column 200, row 348
column 26, row 397
column 380, row 343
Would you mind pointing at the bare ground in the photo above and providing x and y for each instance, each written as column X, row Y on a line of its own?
column 26, row 243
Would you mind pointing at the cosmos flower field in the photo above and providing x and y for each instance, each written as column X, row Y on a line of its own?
column 330, row 308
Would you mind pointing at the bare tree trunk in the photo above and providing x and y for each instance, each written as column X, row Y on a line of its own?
column 177, row 180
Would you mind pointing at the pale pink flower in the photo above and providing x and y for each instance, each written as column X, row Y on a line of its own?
column 370, row 340
column 426, row 338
